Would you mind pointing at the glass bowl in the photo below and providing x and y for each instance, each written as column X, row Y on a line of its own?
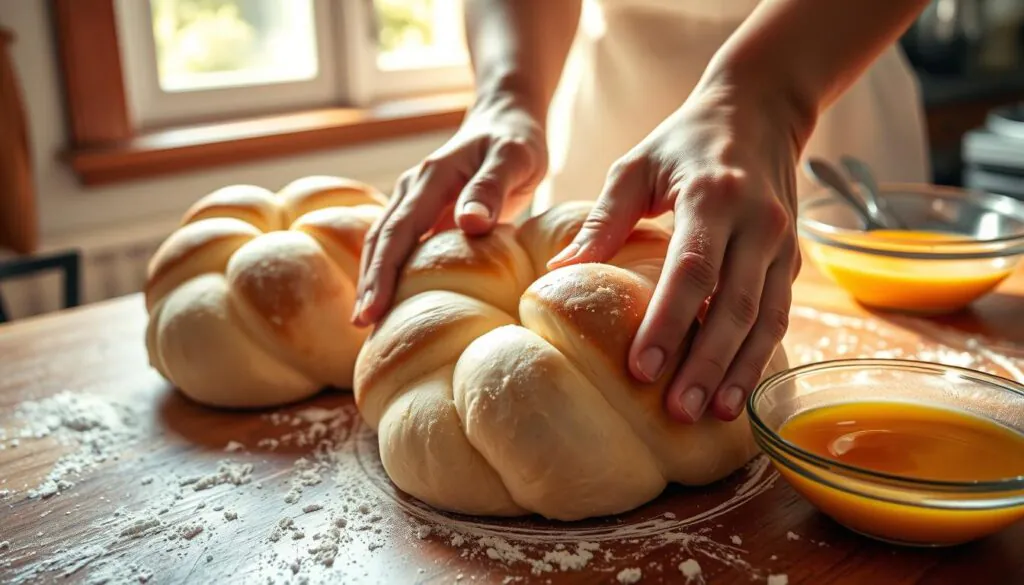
column 891, row 508
column 980, row 243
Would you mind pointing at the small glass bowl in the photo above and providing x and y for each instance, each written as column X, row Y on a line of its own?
column 922, row 275
column 886, row 507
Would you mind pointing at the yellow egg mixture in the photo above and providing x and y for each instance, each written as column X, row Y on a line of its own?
column 910, row 440
column 907, row 284
column 914, row 441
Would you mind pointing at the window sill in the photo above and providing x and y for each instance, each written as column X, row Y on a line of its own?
column 183, row 149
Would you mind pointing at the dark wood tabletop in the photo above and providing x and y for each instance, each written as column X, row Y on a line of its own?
column 160, row 490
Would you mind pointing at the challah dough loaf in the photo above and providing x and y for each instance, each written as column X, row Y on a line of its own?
column 499, row 388
column 249, row 300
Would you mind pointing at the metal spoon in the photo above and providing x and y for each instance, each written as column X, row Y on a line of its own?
column 827, row 175
column 877, row 204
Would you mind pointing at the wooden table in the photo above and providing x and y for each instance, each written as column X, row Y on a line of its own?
column 164, row 511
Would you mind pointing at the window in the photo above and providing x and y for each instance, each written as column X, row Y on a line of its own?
column 200, row 60
column 157, row 87
column 420, row 45
column 204, row 45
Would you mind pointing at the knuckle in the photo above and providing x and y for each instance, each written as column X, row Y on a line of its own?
column 698, row 271
column 717, row 189
column 730, row 185
column 749, row 371
column 624, row 167
column 512, row 149
column 797, row 265
column 396, row 226
column 487, row 186
column 596, row 227
column 775, row 218
column 429, row 165
column 742, row 308
column 710, row 366
column 776, row 323
column 599, row 218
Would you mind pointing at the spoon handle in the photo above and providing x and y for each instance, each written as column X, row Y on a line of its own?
column 827, row 175
column 875, row 202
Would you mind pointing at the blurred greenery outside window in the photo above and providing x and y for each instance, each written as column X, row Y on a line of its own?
column 211, row 43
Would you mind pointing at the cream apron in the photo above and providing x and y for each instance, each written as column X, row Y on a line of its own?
column 633, row 62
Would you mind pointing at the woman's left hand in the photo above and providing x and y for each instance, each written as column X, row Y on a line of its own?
column 724, row 163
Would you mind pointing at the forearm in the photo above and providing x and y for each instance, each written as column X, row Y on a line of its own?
column 810, row 51
column 519, row 47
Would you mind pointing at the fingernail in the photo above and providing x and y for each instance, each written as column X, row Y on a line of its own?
column 570, row 251
column 732, row 399
column 478, row 209
column 692, row 402
column 650, row 363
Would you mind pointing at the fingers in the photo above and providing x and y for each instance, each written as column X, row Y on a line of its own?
column 445, row 222
column 413, row 210
column 772, row 322
column 730, row 322
column 508, row 167
column 373, row 234
column 688, row 278
column 620, row 206
column 730, row 317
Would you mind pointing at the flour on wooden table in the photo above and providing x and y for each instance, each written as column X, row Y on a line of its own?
column 227, row 472
column 846, row 336
column 629, row 576
column 337, row 506
column 96, row 429
column 690, row 569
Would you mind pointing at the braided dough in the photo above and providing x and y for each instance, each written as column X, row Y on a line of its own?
column 249, row 300
column 498, row 388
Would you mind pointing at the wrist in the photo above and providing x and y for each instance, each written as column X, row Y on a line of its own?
column 766, row 91
column 511, row 90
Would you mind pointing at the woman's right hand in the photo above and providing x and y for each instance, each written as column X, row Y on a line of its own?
column 485, row 173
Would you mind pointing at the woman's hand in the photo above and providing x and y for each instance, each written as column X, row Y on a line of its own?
column 724, row 164
column 485, row 173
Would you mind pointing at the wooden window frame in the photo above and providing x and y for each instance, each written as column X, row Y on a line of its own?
column 105, row 147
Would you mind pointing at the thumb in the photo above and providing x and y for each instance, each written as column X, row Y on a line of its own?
column 619, row 207
column 506, row 168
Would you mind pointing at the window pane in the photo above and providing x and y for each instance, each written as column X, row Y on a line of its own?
column 203, row 44
column 414, row 34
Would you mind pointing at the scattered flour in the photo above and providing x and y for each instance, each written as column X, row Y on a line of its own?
column 98, row 428
column 736, row 540
column 227, row 472
column 792, row 535
column 690, row 569
column 629, row 576
column 567, row 561
column 269, row 444
column 190, row 530
column 347, row 512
